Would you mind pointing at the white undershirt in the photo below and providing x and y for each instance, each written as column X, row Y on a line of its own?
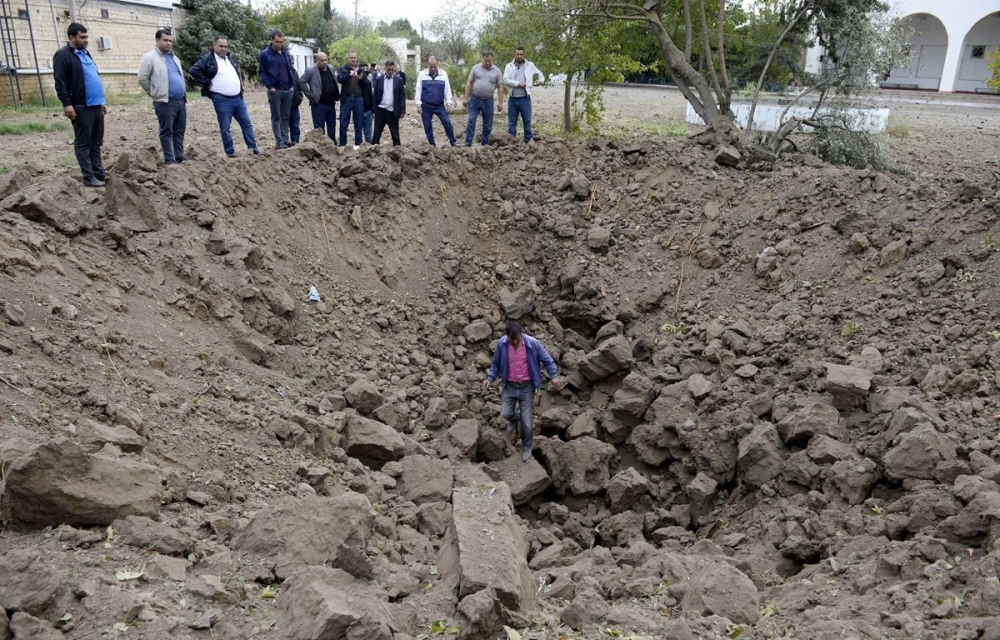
column 387, row 97
column 226, row 82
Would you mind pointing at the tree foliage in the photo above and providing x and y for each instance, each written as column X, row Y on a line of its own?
column 455, row 32
column 246, row 29
column 753, row 38
column 309, row 19
column 993, row 64
column 368, row 45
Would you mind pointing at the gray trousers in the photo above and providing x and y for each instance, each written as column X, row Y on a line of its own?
column 281, row 109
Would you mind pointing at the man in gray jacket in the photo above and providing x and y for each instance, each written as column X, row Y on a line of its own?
column 161, row 76
column 319, row 86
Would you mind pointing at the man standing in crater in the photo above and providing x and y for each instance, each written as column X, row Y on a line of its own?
column 517, row 361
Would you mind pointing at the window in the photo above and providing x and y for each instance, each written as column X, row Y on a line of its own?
column 979, row 52
column 22, row 14
column 105, row 14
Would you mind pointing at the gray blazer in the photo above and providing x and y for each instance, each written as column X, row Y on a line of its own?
column 311, row 84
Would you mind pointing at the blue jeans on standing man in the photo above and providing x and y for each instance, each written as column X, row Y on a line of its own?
column 352, row 107
column 227, row 109
column 172, row 118
column 521, row 394
column 369, row 122
column 477, row 106
column 325, row 117
column 519, row 106
column 430, row 110
column 281, row 110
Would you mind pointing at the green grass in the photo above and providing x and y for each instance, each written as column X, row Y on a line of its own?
column 897, row 128
column 31, row 126
column 5, row 168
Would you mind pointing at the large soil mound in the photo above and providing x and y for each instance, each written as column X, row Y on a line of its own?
column 780, row 417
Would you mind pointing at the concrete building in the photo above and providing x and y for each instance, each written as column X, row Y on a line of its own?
column 302, row 51
column 31, row 31
column 949, row 45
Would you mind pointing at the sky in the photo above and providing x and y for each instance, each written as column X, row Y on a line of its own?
column 416, row 11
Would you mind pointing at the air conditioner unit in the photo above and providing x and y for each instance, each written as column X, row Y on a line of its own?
column 104, row 43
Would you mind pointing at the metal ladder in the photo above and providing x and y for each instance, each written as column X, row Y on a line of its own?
column 11, row 52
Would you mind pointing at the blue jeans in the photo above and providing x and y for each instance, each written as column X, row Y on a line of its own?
column 368, row 126
column 172, row 118
column 352, row 107
column 281, row 110
column 477, row 106
column 522, row 106
column 521, row 394
column 228, row 108
column 325, row 117
column 294, row 119
column 438, row 110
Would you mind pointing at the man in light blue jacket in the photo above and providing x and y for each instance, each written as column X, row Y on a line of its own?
column 161, row 76
column 518, row 362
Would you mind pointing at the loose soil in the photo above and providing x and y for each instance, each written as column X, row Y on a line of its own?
column 780, row 417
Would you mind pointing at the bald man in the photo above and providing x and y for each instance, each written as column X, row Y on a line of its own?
column 319, row 86
column 433, row 98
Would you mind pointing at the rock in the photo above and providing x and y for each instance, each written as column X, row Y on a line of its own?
column 580, row 186
column 425, row 479
column 436, row 416
column 588, row 609
column 517, row 304
column 372, row 442
column 849, row 385
column 859, row 243
column 483, row 615
column 811, row 420
column 979, row 518
column 580, row 467
column 464, row 435
column 584, row 424
column 13, row 314
column 701, row 493
column 59, row 483
column 722, row 590
column 477, row 331
column 824, row 450
column 525, row 479
column 625, row 488
column 210, row 589
column 126, row 205
column 204, row 621
column 854, row 479
column 30, row 582
column 727, row 155
column 633, row 398
column 492, row 550
column 699, row 386
column 167, row 568
column 610, row 357
column 4, row 625
column 434, row 518
column 319, row 602
column 141, row 532
column 801, row 550
column 598, row 239
column 363, row 396
column 892, row 253
column 54, row 203
column 97, row 435
column 761, row 455
column 918, row 453
column 28, row 627
column 299, row 532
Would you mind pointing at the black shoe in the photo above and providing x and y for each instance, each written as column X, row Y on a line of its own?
column 256, row 152
column 291, row 144
column 282, row 146
column 230, row 155
column 102, row 177
column 93, row 182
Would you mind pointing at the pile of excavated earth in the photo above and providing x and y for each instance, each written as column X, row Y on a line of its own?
column 780, row 419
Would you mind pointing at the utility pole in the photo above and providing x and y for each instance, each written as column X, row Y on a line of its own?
column 356, row 16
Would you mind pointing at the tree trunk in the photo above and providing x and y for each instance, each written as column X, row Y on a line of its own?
column 687, row 30
column 568, row 103
column 692, row 84
column 725, row 99
column 707, row 52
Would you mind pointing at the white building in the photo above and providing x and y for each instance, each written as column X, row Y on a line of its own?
column 302, row 52
column 949, row 45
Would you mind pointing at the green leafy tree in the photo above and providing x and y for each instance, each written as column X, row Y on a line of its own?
column 754, row 37
column 993, row 64
column 587, row 51
column 246, row 29
column 369, row 46
column 314, row 19
column 455, row 33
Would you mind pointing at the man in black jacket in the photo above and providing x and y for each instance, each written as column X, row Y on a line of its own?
column 219, row 78
column 355, row 98
column 389, row 103
column 79, row 88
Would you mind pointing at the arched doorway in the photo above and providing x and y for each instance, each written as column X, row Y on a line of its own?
column 980, row 41
column 928, row 47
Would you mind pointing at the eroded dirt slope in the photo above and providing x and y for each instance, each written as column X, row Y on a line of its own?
column 781, row 415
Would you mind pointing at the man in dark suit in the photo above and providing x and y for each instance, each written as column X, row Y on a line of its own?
column 389, row 102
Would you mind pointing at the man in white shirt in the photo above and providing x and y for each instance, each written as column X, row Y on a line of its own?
column 219, row 78
column 519, row 76
column 390, row 103
column 433, row 97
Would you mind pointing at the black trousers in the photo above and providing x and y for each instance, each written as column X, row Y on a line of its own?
column 384, row 117
column 88, row 130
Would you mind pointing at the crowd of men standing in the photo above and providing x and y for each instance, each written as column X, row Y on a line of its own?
column 369, row 97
